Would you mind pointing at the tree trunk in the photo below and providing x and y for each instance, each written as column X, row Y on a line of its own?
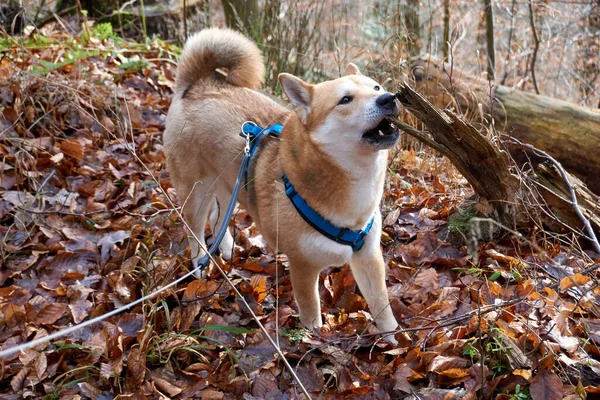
column 501, row 195
column 568, row 132
column 489, row 39
column 12, row 17
column 446, row 46
column 166, row 19
column 241, row 14
column 413, row 26
column 588, row 64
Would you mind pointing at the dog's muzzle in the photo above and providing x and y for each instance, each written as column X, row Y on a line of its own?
column 385, row 134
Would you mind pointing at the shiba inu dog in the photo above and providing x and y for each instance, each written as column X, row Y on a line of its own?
column 333, row 150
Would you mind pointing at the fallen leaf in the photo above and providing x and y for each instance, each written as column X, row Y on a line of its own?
column 50, row 313
column 259, row 286
column 546, row 386
column 165, row 385
column 443, row 363
column 573, row 280
column 109, row 240
column 73, row 148
column 136, row 365
column 16, row 383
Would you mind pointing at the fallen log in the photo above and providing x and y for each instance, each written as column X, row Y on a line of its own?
column 568, row 132
column 501, row 193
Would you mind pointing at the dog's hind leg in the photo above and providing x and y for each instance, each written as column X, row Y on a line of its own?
column 196, row 207
column 217, row 215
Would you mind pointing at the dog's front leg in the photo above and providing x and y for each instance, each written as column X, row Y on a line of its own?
column 368, row 268
column 305, row 284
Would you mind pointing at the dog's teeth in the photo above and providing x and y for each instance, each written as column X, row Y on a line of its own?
column 380, row 133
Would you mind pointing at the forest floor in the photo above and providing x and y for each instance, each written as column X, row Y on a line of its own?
column 86, row 227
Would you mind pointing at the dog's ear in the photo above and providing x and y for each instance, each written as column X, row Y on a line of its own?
column 299, row 93
column 352, row 69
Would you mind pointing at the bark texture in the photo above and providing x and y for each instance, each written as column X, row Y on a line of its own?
column 490, row 172
column 568, row 132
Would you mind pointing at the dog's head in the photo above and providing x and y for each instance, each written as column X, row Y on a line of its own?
column 349, row 111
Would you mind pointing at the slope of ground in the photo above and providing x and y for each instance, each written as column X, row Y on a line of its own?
column 86, row 227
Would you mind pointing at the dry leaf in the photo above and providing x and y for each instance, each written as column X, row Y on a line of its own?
column 546, row 386
column 136, row 365
column 72, row 147
column 573, row 280
column 50, row 313
column 259, row 286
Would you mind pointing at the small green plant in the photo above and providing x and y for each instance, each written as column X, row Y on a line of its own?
column 498, row 367
column 161, row 348
column 473, row 271
column 68, row 379
column 405, row 185
column 520, row 394
column 496, row 347
column 461, row 223
column 295, row 334
column 495, row 276
column 134, row 66
column 103, row 31
column 516, row 274
column 470, row 351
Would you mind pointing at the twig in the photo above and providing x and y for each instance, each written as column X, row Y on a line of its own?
column 591, row 235
column 536, row 45
column 452, row 321
column 419, row 135
column 54, row 16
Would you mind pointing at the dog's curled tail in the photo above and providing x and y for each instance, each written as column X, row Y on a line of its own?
column 215, row 48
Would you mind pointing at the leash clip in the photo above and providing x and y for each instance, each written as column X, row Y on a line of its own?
column 247, row 134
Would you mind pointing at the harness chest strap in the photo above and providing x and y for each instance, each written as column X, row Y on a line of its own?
column 348, row 237
column 353, row 238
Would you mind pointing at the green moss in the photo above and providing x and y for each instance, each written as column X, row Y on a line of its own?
column 460, row 222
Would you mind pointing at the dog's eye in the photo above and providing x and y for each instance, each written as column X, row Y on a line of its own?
column 377, row 88
column 346, row 100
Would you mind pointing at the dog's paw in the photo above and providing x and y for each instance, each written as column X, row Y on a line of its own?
column 390, row 338
column 228, row 253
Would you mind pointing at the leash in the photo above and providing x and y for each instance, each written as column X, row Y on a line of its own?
column 253, row 135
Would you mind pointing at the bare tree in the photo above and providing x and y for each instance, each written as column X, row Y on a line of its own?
column 588, row 65
column 410, row 11
column 536, row 46
column 446, row 28
column 12, row 17
column 509, row 46
column 241, row 14
column 489, row 38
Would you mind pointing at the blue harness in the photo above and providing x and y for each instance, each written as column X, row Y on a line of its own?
column 345, row 236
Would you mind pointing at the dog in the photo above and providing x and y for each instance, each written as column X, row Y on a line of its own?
column 333, row 150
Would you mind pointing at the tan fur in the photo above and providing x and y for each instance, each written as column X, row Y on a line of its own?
column 215, row 48
column 204, row 150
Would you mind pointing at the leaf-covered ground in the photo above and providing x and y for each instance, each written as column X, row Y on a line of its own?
column 86, row 227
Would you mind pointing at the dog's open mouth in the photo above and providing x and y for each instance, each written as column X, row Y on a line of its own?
column 383, row 136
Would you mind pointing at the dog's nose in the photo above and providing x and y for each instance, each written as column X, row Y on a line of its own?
column 386, row 100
